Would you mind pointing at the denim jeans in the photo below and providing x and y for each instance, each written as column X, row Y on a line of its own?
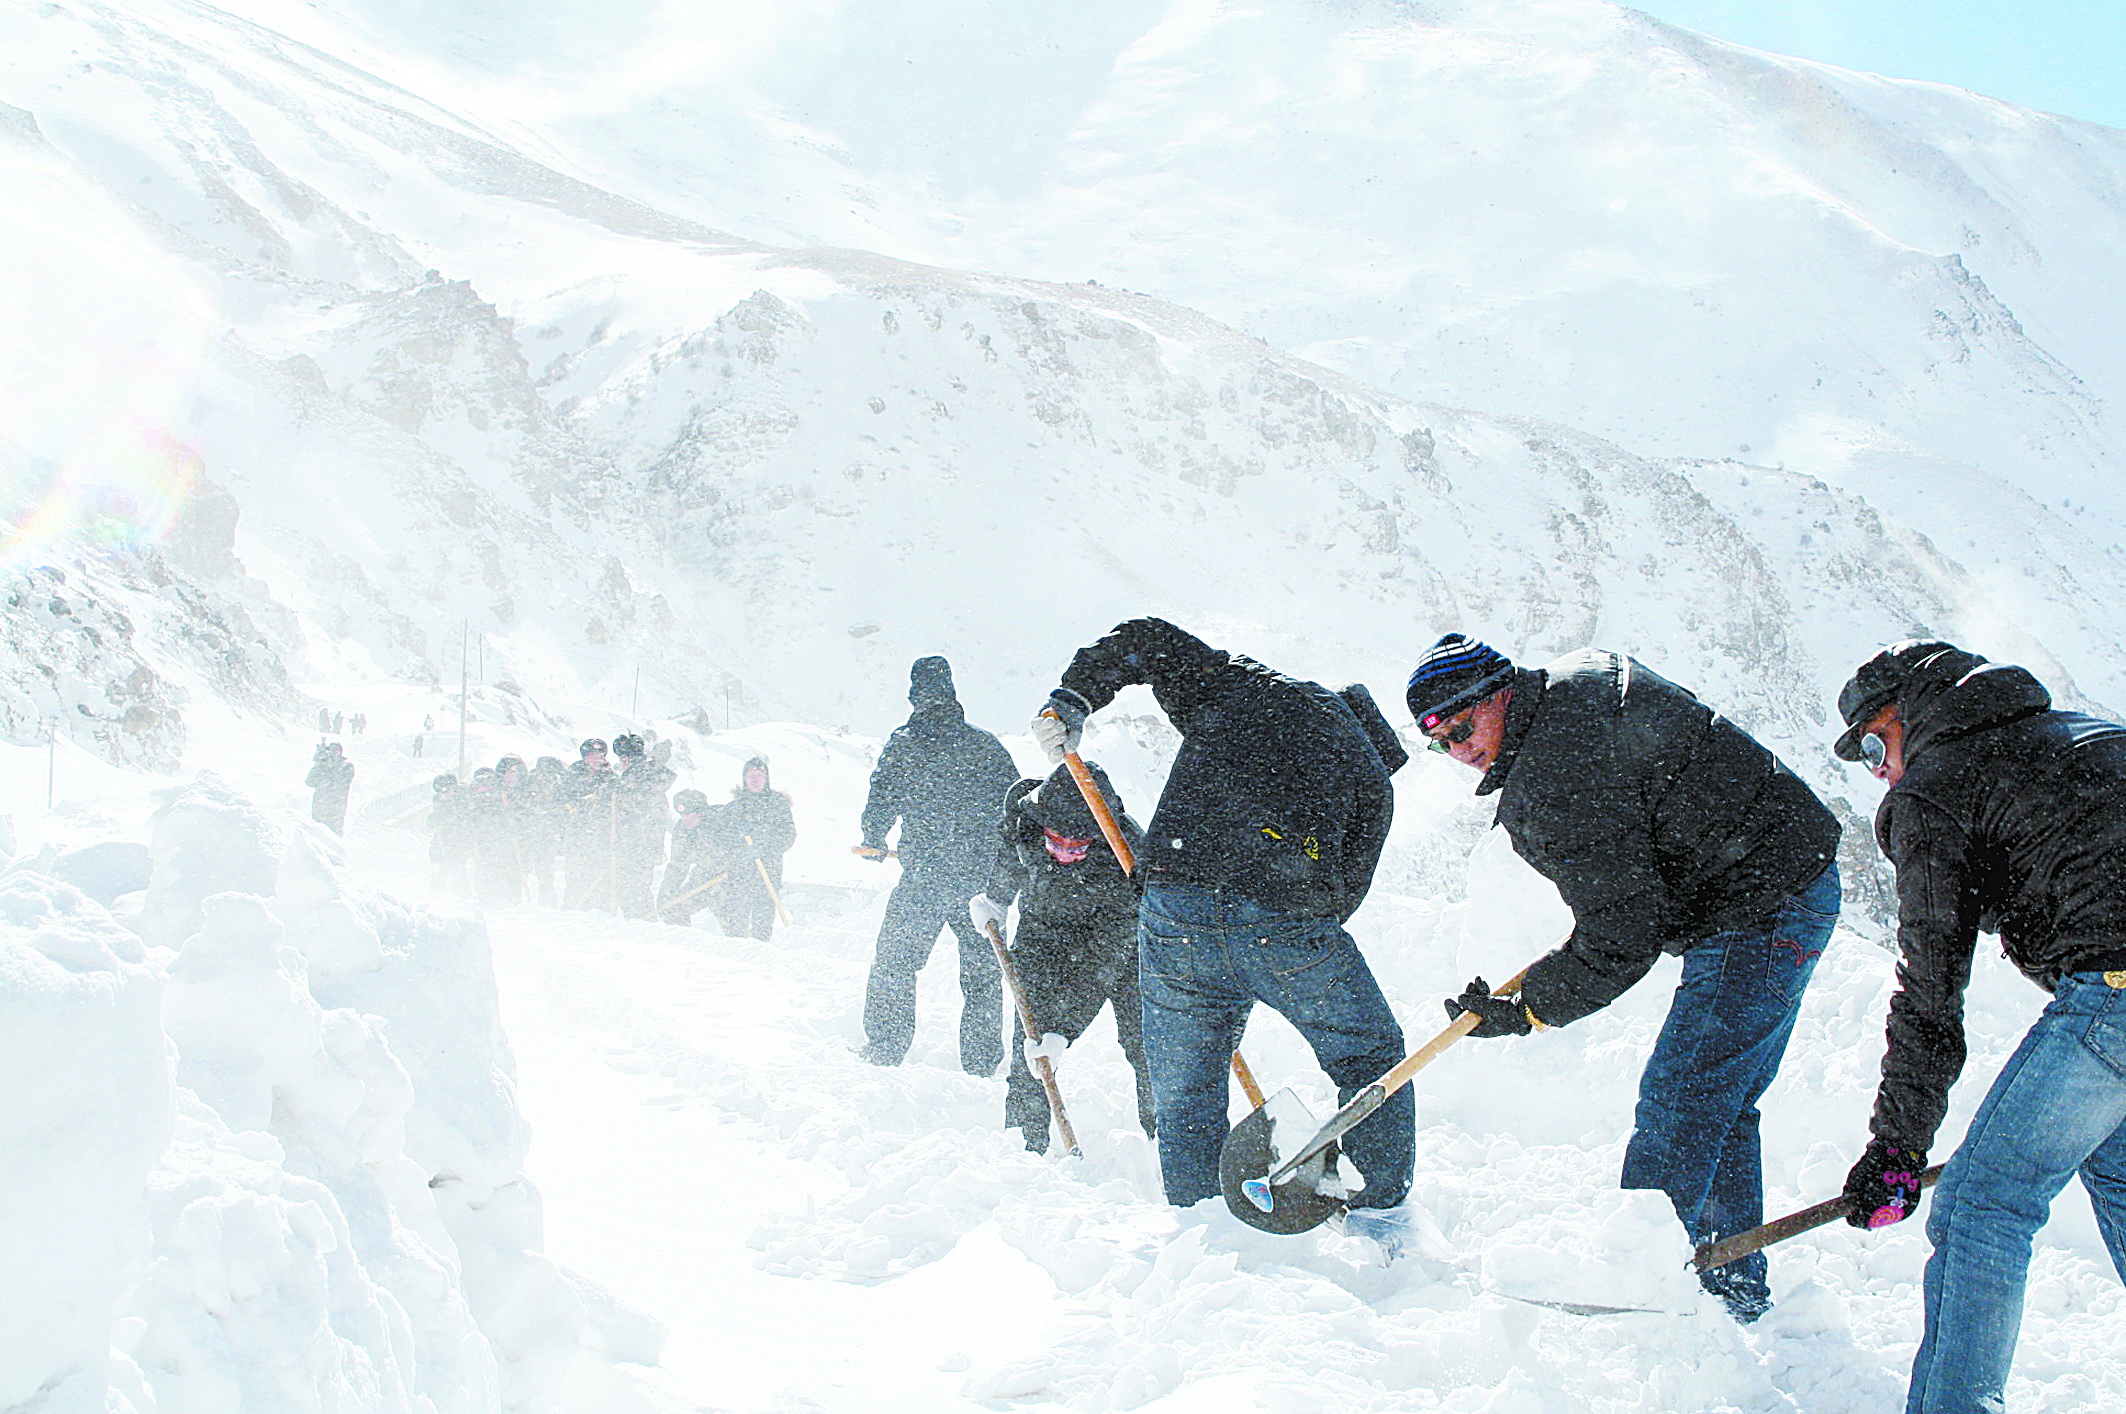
column 2058, row 1107
column 1206, row 957
column 1695, row 1133
column 921, row 907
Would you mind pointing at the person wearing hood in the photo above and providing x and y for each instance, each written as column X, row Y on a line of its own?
column 1666, row 828
column 1262, row 846
column 944, row 781
column 753, row 831
column 1076, row 944
column 2006, row 815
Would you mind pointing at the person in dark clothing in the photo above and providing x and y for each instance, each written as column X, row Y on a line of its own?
column 331, row 780
column 2009, row 816
column 944, row 781
column 540, row 829
column 640, row 818
column 1261, row 847
column 449, row 836
column 591, row 831
column 697, row 868
column 754, row 830
column 497, row 875
column 1076, row 944
column 1666, row 828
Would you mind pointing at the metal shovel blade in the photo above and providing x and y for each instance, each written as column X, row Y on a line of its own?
column 1295, row 1205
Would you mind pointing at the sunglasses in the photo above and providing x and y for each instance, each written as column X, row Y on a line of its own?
column 1873, row 751
column 1454, row 736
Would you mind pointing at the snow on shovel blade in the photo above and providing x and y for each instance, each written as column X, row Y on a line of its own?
column 1298, row 1203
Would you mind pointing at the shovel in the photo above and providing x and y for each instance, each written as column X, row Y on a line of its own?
column 1719, row 1254
column 1041, row 1067
column 1257, row 1186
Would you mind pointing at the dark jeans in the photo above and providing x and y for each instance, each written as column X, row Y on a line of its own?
column 1069, row 973
column 1695, row 1135
column 921, row 906
column 2058, row 1107
column 1206, row 956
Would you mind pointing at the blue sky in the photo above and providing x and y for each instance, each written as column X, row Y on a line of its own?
column 2064, row 56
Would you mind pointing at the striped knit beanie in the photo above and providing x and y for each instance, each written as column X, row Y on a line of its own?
column 1457, row 672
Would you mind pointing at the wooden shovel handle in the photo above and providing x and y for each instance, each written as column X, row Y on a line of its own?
column 1719, row 1254
column 1461, row 1026
column 1041, row 1067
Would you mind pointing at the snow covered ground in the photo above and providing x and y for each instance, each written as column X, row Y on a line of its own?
column 741, row 1215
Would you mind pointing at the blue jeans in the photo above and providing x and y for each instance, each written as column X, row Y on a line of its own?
column 1206, row 956
column 2058, row 1107
column 1695, row 1133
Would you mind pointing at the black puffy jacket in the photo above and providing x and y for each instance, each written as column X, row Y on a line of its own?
column 1659, row 821
column 2009, row 818
column 1277, row 793
column 944, row 780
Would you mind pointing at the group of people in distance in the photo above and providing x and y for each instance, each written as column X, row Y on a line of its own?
column 593, row 835
column 1665, row 827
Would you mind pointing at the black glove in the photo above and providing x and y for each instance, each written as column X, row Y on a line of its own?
column 1883, row 1187
column 1502, row 1016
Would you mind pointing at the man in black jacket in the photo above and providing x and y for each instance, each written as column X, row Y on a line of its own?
column 1262, row 845
column 331, row 781
column 944, row 781
column 1666, row 828
column 1076, row 944
column 2007, row 816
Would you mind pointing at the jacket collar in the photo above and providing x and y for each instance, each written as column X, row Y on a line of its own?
column 1527, row 700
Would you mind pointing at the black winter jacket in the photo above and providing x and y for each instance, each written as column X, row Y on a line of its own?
column 1659, row 821
column 944, row 780
column 2010, row 818
column 1277, row 793
column 1092, row 894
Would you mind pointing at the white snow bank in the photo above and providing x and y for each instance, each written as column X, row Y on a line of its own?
column 89, row 1106
column 273, row 1159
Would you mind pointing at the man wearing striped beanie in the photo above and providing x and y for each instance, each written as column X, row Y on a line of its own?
column 1666, row 828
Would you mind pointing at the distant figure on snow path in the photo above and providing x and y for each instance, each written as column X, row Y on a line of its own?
column 1666, row 828
column 696, row 869
column 944, row 781
column 331, row 780
column 2007, row 815
column 1262, row 846
column 752, row 831
column 1076, row 944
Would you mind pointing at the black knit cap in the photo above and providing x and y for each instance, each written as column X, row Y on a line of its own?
column 1457, row 672
column 930, row 680
column 1884, row 678
column 1057, row 803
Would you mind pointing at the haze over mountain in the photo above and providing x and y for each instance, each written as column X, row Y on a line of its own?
column 442, row 379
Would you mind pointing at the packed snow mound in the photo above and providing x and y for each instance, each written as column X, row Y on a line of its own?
column 280, row 1164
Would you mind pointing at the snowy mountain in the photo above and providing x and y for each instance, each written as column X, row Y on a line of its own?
column 442, row 383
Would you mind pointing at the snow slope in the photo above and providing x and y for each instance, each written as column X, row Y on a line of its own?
column 1560, row 207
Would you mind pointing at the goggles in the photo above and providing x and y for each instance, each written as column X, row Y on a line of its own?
column 1873, row 751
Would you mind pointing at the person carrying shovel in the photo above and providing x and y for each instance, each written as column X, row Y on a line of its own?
column 1076, row 946
column 1262, row 845
column 2006, row 814
column 1666, row 828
